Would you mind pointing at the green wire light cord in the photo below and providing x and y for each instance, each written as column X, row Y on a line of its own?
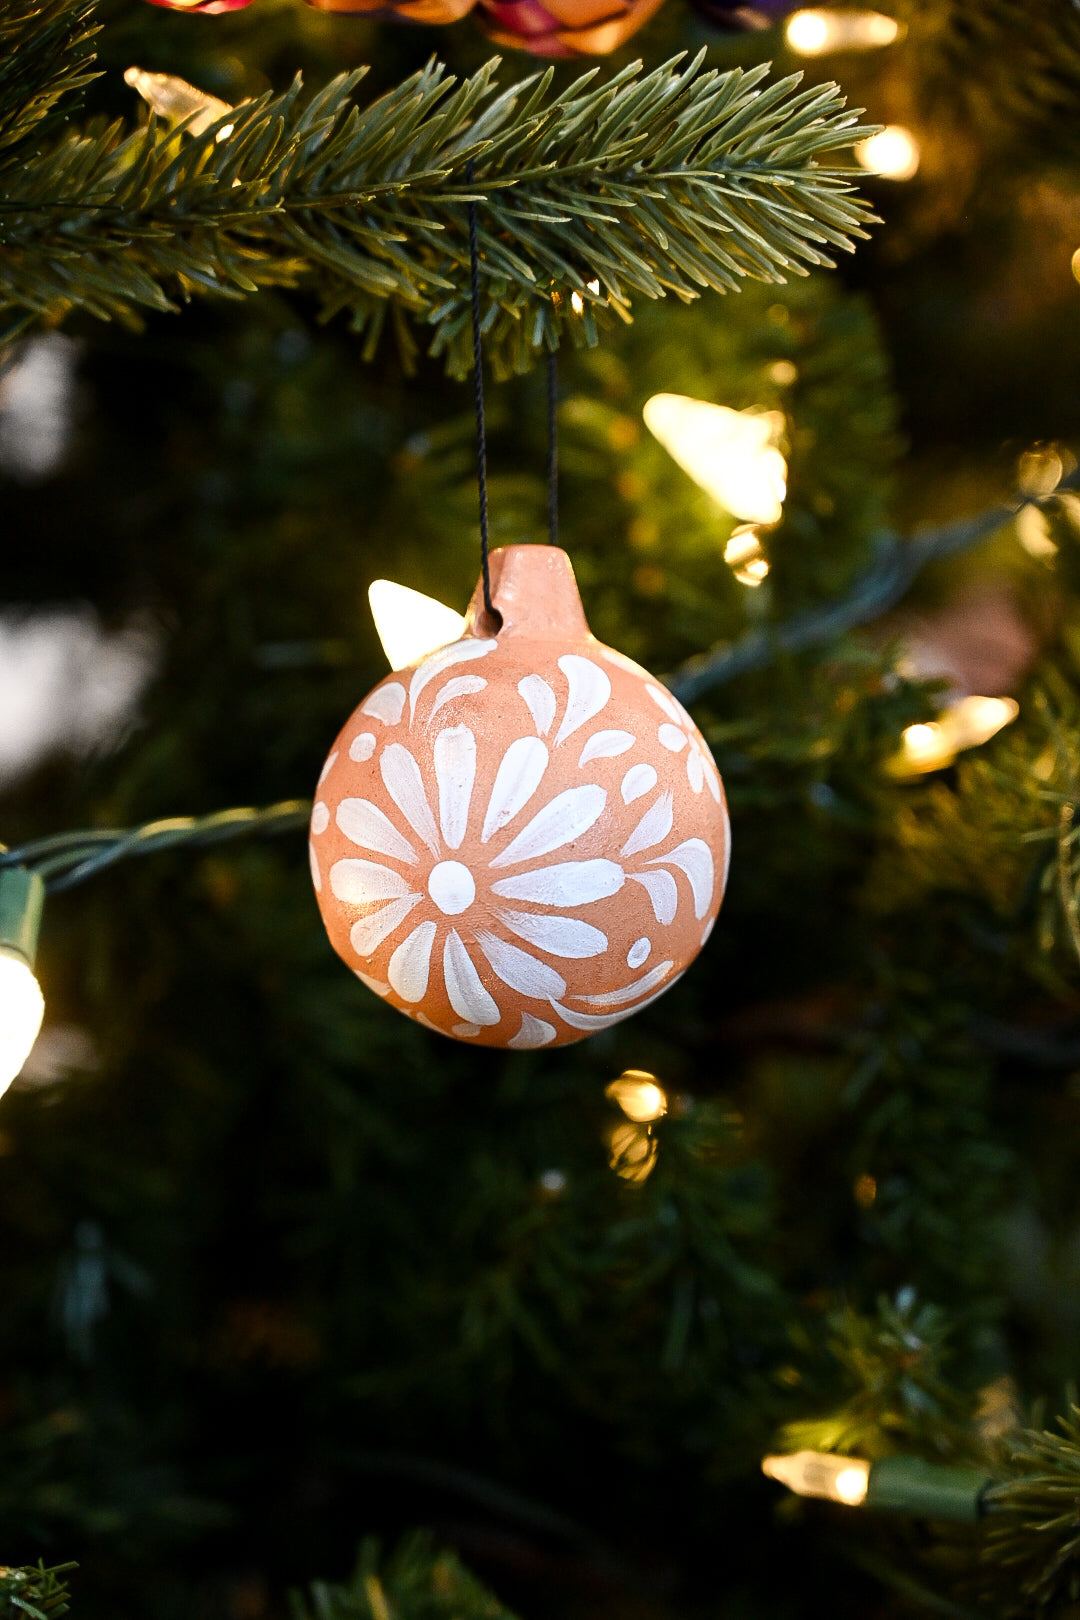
column 65, row 859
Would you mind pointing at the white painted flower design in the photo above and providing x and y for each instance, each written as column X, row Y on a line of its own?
column 512, row 915
column 677, row 732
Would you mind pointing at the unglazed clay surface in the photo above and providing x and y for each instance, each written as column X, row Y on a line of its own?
column 523, row 838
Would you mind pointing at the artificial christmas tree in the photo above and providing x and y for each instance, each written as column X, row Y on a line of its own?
column 286, row 1275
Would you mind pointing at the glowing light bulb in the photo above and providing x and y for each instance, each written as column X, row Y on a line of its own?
column 22, row 1007
column 819, row 1473
column 638, row 1095
column 812, row 33
column 632, row 1152
column 410, row 624
column 965, row 724
column 22, row 894
column 744, row 556
column 732, row 455
column 175, row 99
column 893, row 153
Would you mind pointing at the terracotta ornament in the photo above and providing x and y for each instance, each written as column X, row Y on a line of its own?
column 521, row 839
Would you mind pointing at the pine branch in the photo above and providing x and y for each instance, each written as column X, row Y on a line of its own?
column 880, row 588
column 34, row 1592
column 670, row 182
column 417, row 1582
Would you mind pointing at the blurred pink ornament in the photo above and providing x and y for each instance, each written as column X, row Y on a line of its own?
column 206, row 7
column 432, row 12
column 564, row 27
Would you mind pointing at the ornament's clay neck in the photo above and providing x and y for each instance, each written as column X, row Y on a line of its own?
column 534, row 589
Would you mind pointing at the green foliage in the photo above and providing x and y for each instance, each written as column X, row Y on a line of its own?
column 899, row 1397
column 35, row 1593
column 669, row 183
column 1030, row 1551
column 416, row 1582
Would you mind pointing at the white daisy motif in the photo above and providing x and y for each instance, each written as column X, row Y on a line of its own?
column 520, row 913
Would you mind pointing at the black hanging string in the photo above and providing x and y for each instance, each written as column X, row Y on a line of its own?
column 478, row 392
column 553, row 450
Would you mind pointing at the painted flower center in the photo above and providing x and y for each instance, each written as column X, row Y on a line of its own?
column 451, row 887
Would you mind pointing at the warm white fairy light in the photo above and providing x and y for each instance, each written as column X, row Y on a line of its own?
column 638, row 1095
column 175, row 99
column 577, row 303
column 893, row 153
column 22, row 1005
column 820, row 1473
column 744, row 556
column 933, row 744
column 814, row 32
column 732, row 455
column 22, row 1008
column 410, row 624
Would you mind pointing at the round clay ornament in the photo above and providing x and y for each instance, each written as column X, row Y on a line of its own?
column 521, row 839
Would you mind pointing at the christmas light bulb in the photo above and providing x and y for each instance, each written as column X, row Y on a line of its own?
column 638, row 1095
column 410, row 624
column 732, row 455
column 893, row 153
column 819, row 1473
column 932, row 745
column 812, row 33
column 173, row 98
column 22, row 1005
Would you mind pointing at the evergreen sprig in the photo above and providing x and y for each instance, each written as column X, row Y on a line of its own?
column 416, row 1582
column 673, row 181
column 33, row 1592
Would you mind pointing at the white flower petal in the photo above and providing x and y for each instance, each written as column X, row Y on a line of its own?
column 368, row 934
column 694, row 857
column 534, row 1032
column 316, row 875
column 671, row 737
column 386, row 703
column 365, row 824
column 654, row 825
column 320, row 818
column 362, row 747
column 712, row 778
column 665, row 701
column 540, row 700
column 593, row 1022
column 455, row 770
column 695, row 770
column 327, row 768
column 606, row 745
column 460, row 686
column 467, row 995
column 630, row 992
column 465, row 1031
column 363, row 883
column 519, row 970
column 516, row 780
column 639, row 779
column 571, row 883
column 458, row 652
column 409, row 966
column 639, row 952
column 405, row 785
column 563, row 818
column 663, row 893
column 377, row 985
column 559, row 936
column 590, row 688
